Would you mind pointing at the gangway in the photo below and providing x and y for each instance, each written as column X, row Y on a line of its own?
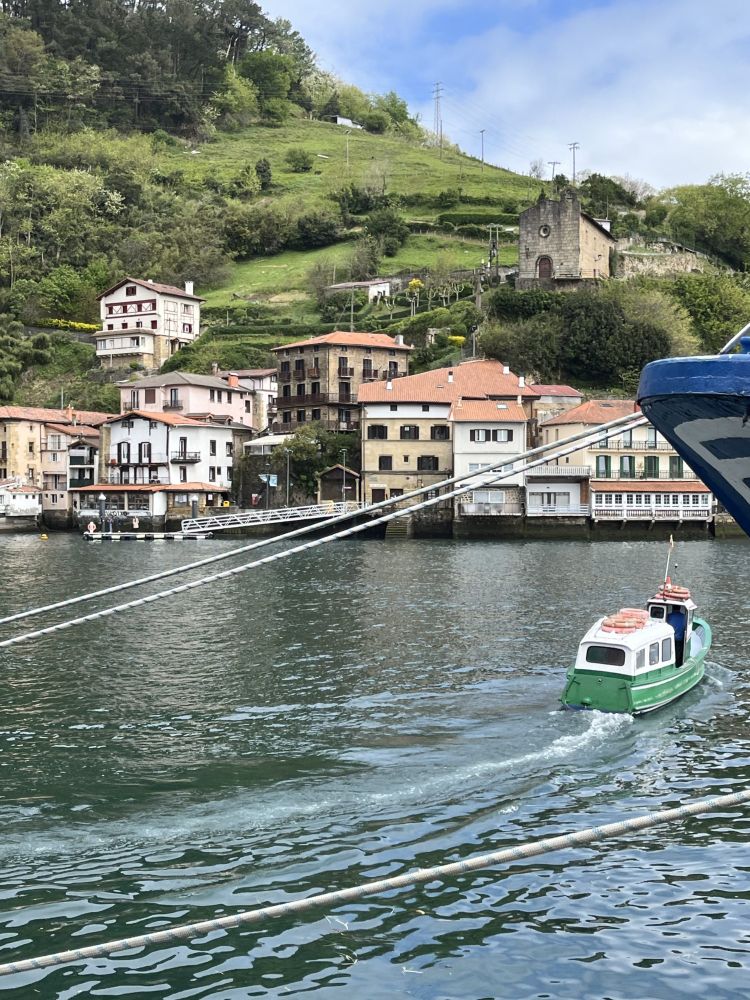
column 279, row 515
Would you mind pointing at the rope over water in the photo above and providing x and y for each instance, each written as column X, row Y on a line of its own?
column 420, row 875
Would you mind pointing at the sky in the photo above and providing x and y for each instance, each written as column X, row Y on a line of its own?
column 656, row 89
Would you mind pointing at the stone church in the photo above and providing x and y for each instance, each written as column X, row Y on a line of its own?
column 560, row 246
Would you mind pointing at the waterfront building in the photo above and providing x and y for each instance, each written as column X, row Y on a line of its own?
column 622, row 475
column 144, row 322
column 486, row 432
column 196, row 396
column 20, row 506
column 408, row 425
column 261, row 388
column 320, row 378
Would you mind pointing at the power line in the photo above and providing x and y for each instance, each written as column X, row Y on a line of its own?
column 553, row 164
column 438, row 119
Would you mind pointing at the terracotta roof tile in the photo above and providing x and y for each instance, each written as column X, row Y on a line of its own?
column 173, row 419
column 154, row 286
column 555, row 390
column 149, row 488
column 349, row 340
column 487, row 410
column 595, row 411
column 471, row 380
column 45, row 415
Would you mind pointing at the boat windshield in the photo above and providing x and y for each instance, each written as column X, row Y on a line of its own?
column 611, row 656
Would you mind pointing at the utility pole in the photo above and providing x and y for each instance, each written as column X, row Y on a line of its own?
column 494, row 254
column 481, row 132
column 351, row 312
column 347, row 150
column 573, row 146
column 553, row 164
column 438, row 119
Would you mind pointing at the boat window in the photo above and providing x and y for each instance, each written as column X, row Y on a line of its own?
column 653, row 654
column 611, row 656
column 666, row 650
column 640, row 659
column 657, row 610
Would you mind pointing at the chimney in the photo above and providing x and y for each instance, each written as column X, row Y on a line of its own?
column 450, row 376
column 150, row 281
column 400, row 339
column 389, row 385
column 214, row 368
column 189, row 287
column 69, row 414
column 521, row 382
column 506, row 369
column 233, row 380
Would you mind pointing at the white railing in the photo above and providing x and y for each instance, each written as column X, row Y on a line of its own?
column 654, row 513
column 559, row 510
column 555, row 471
column 279, row 515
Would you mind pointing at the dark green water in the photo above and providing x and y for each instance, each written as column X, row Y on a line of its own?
column 352, row 713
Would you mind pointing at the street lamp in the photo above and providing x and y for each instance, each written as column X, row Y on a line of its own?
column 287, row 453
column 343, row 475
column 268, row 481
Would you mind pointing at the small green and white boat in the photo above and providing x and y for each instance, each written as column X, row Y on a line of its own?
column 638, row 660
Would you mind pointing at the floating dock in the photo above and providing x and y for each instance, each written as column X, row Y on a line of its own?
column 145, row 536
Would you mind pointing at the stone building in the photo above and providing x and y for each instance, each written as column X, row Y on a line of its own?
column 560, row 245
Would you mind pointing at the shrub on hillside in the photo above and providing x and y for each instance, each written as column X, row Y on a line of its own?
column 386, row 225
column 298, row 160
column 263, row 172
column 316, row 229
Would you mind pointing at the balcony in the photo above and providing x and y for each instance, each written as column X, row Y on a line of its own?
column 118, row 478
column 315, row 399
column 330, row 423
column 76, row 482
column 559, row 510
column 313, row 372
column 370, row 374
column 135, row 459
column 617, row 445
column 618, row 476
column 345, row 372
column 468, row 509
column 185, row 457
column 285, row 376
column 385, row 375
column 556, row 471
column 653, row 513
column 173, row 404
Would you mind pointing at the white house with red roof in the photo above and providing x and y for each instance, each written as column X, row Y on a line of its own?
column 145, row 322
column 189, row 395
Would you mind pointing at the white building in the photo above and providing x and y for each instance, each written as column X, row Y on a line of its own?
column 160, row 449
column 487, row 432
column 197, row 396
column 261, row 386
column 145, row 322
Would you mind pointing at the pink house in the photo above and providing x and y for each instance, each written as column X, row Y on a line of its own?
column 189, row 395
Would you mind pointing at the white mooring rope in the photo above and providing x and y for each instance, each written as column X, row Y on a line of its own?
column 420, row 875
column 292, row 550
column 629, row 421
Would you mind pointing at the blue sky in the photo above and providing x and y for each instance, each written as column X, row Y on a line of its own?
column 656, row 89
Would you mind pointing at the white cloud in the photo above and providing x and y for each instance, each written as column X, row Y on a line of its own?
column 656, row 90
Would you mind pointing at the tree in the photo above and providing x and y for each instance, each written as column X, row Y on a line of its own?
column 316, row 229
column 263, row 170
column 717, row 304
column 386, row 225
column 298, row 160
column 713, row 217
column 237, row 104
column 531, row 346
column 270, row 73
column 365, row 259
column 536, row 170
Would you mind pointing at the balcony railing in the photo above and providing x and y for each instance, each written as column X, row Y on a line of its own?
column 185, row 456
column 134, row 459
column 616, row 445
column 369, row 374
column 687, row 474
column 285, row 376
column 345, row 372
column 653, row 513
column 468, row 509
column 175, row 404
column 331, row 424
column 558, row 510
column 313, row 372
column 119, row 479
column 554, row 471
column 386, row 375
column 316, row 399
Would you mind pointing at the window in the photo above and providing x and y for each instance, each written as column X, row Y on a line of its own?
column 425, row 407
column 248, row 406
column 218, row 395
column 300, row 388
column 130, row 289
column 651, row 466
column 639, row 500
column 211, row 447
column 502, row 435
column 598, row 500
column 676, row 467
column 144, row 452
column 608, row 499
column 394, row 407
column 315, row 388
column 480, row 434
column 406, row 459
column 286, row 391
column 377, row 432
column 299, row 365
column 385, row 463
column 694, row 499
column 229, row 472
column 212, row 395
column 154, row 324
column 647, row 499
column 229, row 449
column 427, row 463
column 653, row 654
column 315, row 415
column 135, row 341
column 627, row 439
column 618, row 499
column 666, row 650
column 286, row 417
column 439, row 433
column 300, row 416
column 640, row 659
column 488, row 496
column 409, row 432
column 174, row 397
column 211, row 474
column 149, row 395
column 627, row 467
column 31, row 447
column 675, row 499
column 603, row 466
column 657, row 499
column 650, row 437
column 610, row 656
column 183, row 473
column 704, row 499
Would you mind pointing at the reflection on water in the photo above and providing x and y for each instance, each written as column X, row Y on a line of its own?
column 363, row 709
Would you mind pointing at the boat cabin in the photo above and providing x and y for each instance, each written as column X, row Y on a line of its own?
column 674, row 606
column 647, row 646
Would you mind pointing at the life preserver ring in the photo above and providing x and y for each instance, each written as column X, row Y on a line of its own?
column 91, row 527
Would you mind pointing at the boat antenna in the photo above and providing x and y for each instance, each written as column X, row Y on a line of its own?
column 669, row 556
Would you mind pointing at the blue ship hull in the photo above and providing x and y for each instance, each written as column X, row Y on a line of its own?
column 702, row 407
